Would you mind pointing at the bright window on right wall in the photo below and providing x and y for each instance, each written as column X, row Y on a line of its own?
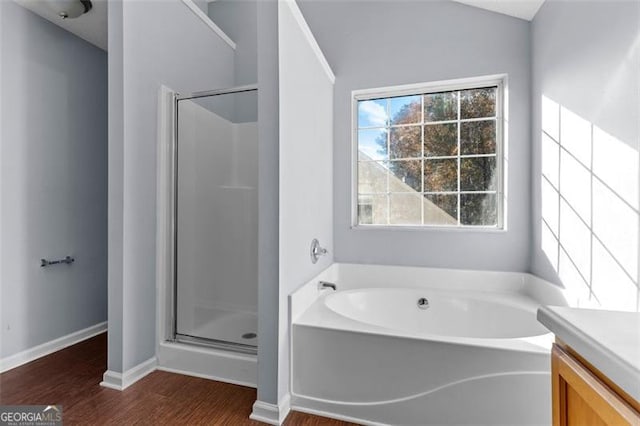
column 429, row 155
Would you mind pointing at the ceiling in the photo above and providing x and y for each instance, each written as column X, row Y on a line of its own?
column 91, row 26
column 523, row 9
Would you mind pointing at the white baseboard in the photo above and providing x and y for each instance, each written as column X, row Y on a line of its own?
column 270, row 413
column 50, row 347
column 121, row 381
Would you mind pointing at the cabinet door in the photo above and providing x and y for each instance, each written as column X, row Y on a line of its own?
column 580, row 398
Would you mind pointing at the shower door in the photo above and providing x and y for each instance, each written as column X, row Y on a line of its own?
column 216, row 219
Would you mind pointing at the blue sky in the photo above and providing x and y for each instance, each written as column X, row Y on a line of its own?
column 378, row 113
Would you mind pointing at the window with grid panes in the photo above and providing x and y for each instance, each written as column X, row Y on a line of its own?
column 430, row 158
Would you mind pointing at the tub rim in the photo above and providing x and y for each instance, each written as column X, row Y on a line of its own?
column 307, row 307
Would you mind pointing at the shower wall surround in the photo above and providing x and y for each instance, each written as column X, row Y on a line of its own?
column 217, row 219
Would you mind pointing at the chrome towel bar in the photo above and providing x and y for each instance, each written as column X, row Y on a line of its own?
column 68, row 260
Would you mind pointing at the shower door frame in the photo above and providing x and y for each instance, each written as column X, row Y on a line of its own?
column 174, row 335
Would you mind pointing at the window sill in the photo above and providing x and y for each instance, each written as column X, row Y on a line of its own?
column 413, row 228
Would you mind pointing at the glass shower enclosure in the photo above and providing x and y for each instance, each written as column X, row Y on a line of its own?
column 216, row 219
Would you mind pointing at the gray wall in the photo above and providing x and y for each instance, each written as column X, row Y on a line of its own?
column 268, row 182
column 382, row 43
column 238, row 20
column 202, row 5
column 586, row 59
column 53, row 180
column 185, row 56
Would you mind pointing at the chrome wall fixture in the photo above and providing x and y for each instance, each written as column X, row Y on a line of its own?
column 316, row 251
column 68, row 260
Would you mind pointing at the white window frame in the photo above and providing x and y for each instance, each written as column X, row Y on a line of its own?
column 498, row 80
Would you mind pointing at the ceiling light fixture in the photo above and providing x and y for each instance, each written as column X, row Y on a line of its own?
column 70, row 8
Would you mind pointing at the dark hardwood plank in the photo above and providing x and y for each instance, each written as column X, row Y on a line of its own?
column 303, row 419
column 71, row 377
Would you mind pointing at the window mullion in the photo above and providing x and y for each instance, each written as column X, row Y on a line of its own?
column 388, row 124
column 458, row 158
column 422, row 160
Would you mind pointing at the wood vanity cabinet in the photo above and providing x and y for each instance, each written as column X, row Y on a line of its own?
column 583, row 396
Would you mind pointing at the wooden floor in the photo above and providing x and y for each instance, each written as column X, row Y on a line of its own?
column 71, row 378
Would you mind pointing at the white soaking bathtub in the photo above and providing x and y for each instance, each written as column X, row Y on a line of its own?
column 419, row 346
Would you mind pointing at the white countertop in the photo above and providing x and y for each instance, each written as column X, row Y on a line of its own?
column 609, row 340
